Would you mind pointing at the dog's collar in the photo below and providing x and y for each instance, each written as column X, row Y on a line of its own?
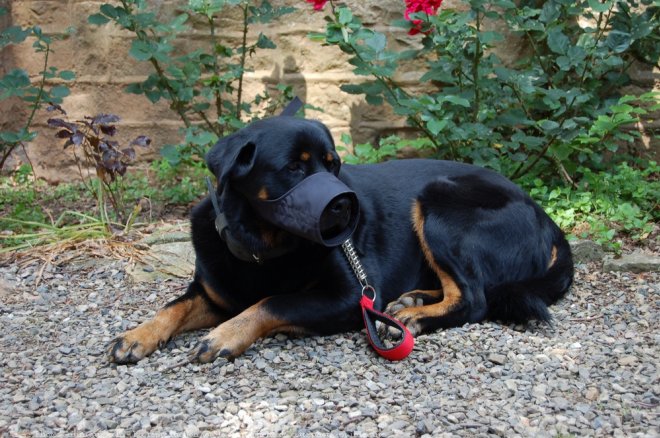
column 222, row 226
column 234, row 245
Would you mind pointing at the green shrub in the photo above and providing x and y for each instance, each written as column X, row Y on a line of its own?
column 203, row 86
column 16, row 84
column 606, row 205
column 553, row 112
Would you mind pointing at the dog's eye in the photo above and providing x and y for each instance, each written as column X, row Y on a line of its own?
column 296, row 166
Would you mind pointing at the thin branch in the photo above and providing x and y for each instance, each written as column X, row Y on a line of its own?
column 243, row 57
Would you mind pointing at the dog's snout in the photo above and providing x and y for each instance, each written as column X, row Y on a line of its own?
column 341, row 207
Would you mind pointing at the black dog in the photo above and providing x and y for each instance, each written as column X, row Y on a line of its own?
column 463, row 242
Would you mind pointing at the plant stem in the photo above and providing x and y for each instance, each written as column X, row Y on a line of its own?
column 177, row 105
column 475, row 69
column 243, row 56
column 216, row 72
column 28, row 124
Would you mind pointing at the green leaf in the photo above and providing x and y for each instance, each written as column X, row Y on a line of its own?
column 60, row 91
column 353, row 88
column 599, row 7
column 171, row 154
column 436, row 125
column 344, row 16
column 98, row 19
column 14, row 83
column 141, row 50
column 550, row 12
column 316, row 36
column 489, row 37
column 618, row 41
column 557, row 41
column 377, row 42
column 67, row 75
column 263, row 42
column 202, row 139
column 13, row 35
column 109, row 11
column 548, row 125
column 456, row 100
column 373, row 100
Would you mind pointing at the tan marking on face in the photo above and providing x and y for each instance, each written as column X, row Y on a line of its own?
column 269, row 236
column 305, row 156
column 553, row 256
column 263, row 193
column 329, row 157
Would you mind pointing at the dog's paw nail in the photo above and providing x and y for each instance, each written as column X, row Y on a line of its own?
column 120, row 353
column 225, row 353
column 406, row 301
column 203, row 352
column 393, row 308
column 419, row 302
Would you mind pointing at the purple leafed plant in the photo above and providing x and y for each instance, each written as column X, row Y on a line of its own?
column 94, row 147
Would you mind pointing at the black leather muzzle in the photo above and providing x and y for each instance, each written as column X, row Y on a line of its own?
column 320, row 208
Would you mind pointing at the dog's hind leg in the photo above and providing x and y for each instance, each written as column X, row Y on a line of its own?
column 193, row 310
column 456, row 303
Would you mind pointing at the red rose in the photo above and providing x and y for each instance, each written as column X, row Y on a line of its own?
column 429, row 7
column 318, row 4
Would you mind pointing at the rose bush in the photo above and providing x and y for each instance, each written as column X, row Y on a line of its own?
column 555, row 111
column 428, row 7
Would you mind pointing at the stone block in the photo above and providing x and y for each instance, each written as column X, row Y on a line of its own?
column 586, row 251
column 637, row 262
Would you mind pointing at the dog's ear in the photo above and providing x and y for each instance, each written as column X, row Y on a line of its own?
column 232, row 157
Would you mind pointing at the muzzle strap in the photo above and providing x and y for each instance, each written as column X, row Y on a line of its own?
column 214, row 197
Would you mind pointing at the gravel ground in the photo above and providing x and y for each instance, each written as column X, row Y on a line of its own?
column 596, row 372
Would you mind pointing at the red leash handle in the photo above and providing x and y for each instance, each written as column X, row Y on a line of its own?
column 370, row 316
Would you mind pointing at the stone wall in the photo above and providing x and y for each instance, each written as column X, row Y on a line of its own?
column 99, row 56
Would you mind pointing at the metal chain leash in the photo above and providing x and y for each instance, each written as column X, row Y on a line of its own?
column 356, row 265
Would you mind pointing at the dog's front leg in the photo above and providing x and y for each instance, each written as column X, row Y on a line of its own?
column 299, row 313
column 191, row 311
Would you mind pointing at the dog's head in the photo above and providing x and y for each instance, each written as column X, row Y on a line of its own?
column 281, row 174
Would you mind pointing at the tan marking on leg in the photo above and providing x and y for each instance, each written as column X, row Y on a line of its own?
column 553, row 257
column 234, row 336
column 305, row 156
column 263, row 194
column 409, row 299
column 431, row 293
column 450, row 291
column 215, row 297
column 143, row 340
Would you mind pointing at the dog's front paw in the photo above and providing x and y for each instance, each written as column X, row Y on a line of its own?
column 416, row 298
column 206, row 351
column 410, row 317
column 227, row 341
column 134, row 345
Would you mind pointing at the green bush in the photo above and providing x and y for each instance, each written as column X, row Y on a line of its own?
column 203, row 86
column 553, row 112
column 16, row 84
column 606, row 205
